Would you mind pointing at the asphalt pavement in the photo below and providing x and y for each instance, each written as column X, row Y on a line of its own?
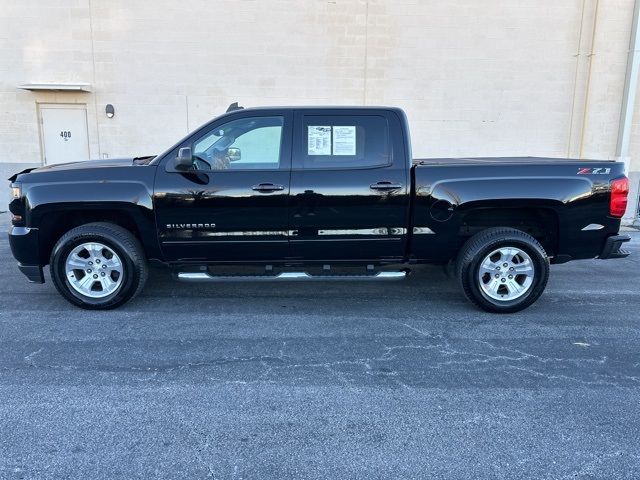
column 323, row 380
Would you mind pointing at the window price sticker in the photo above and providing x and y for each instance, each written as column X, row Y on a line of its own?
column 344, row 140
column 318, row 140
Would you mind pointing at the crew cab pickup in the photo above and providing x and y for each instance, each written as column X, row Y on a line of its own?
column 312, row 193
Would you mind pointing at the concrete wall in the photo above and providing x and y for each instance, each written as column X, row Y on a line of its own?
column 497, row 77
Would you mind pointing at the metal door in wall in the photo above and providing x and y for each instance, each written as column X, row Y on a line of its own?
column 64, row 133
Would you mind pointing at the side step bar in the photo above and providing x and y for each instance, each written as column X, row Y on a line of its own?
column 286, row 276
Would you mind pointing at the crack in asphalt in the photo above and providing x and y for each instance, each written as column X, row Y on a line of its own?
column 505, row 358
column 29, row 358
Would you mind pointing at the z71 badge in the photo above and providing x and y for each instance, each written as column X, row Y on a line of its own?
column 594, row 171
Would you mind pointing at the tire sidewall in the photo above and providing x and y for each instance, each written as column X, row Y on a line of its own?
column 541, row 274
column 58, row 260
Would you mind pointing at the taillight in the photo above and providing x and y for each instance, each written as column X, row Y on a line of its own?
column 619, row 192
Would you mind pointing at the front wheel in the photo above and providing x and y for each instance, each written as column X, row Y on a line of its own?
column 502, row 270
column 98, row 266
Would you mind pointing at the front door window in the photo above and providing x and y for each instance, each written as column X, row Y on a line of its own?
column 245, row 144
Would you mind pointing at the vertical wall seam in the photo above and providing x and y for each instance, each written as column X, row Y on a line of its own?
column 186, row 107
column 366, row 50
column 575, row 79
column 630, row 87
column 95, row 89
column 588, row 89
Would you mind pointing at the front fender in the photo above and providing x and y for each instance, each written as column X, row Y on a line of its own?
column 53, row 207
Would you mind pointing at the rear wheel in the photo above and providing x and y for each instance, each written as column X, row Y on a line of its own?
column 502, row 270
column 98, row 266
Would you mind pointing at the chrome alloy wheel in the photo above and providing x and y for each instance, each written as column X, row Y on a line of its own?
column 506, row 274
column 94, row 270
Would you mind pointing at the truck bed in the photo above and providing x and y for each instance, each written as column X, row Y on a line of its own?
column 457, row 197
column 504, row 160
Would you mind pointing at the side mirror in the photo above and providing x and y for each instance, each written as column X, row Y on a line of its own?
column 234, row 154
column 184, row 160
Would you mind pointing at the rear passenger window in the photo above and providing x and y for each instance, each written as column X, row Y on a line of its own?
column 345, row 141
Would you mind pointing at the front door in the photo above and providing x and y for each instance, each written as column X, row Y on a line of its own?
column 349, row 187
column 231, row 205
column 64, row 133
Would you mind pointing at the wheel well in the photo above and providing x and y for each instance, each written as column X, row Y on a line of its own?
column 541, row 223
column 56, row 224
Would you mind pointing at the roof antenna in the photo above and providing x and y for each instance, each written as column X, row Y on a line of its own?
column 234, row 106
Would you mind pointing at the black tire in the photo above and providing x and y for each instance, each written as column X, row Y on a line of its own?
column 127, row 247
column 484, row 243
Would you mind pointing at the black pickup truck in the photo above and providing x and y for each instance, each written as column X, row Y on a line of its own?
column 307, row 193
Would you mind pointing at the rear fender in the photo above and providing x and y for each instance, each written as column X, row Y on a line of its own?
column 444, row 205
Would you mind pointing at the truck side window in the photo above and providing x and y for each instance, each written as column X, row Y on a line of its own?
column 345, row 141
column 247, row 143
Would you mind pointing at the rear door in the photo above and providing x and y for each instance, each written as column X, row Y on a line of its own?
column 232, row 205
column 349, row 186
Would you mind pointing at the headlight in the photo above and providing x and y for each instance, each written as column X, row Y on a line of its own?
column 16, row 191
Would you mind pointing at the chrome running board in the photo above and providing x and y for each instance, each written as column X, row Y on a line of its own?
column 287, row 276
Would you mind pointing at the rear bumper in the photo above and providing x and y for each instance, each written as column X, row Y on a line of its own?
column 612, row 248
column 25, row 249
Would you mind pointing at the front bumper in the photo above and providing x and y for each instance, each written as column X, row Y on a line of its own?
column 25, row 249
column 33, row 272
column 612, row 248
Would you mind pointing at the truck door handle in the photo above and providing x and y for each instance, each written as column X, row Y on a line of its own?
column 385, row 186
column 267, row 187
